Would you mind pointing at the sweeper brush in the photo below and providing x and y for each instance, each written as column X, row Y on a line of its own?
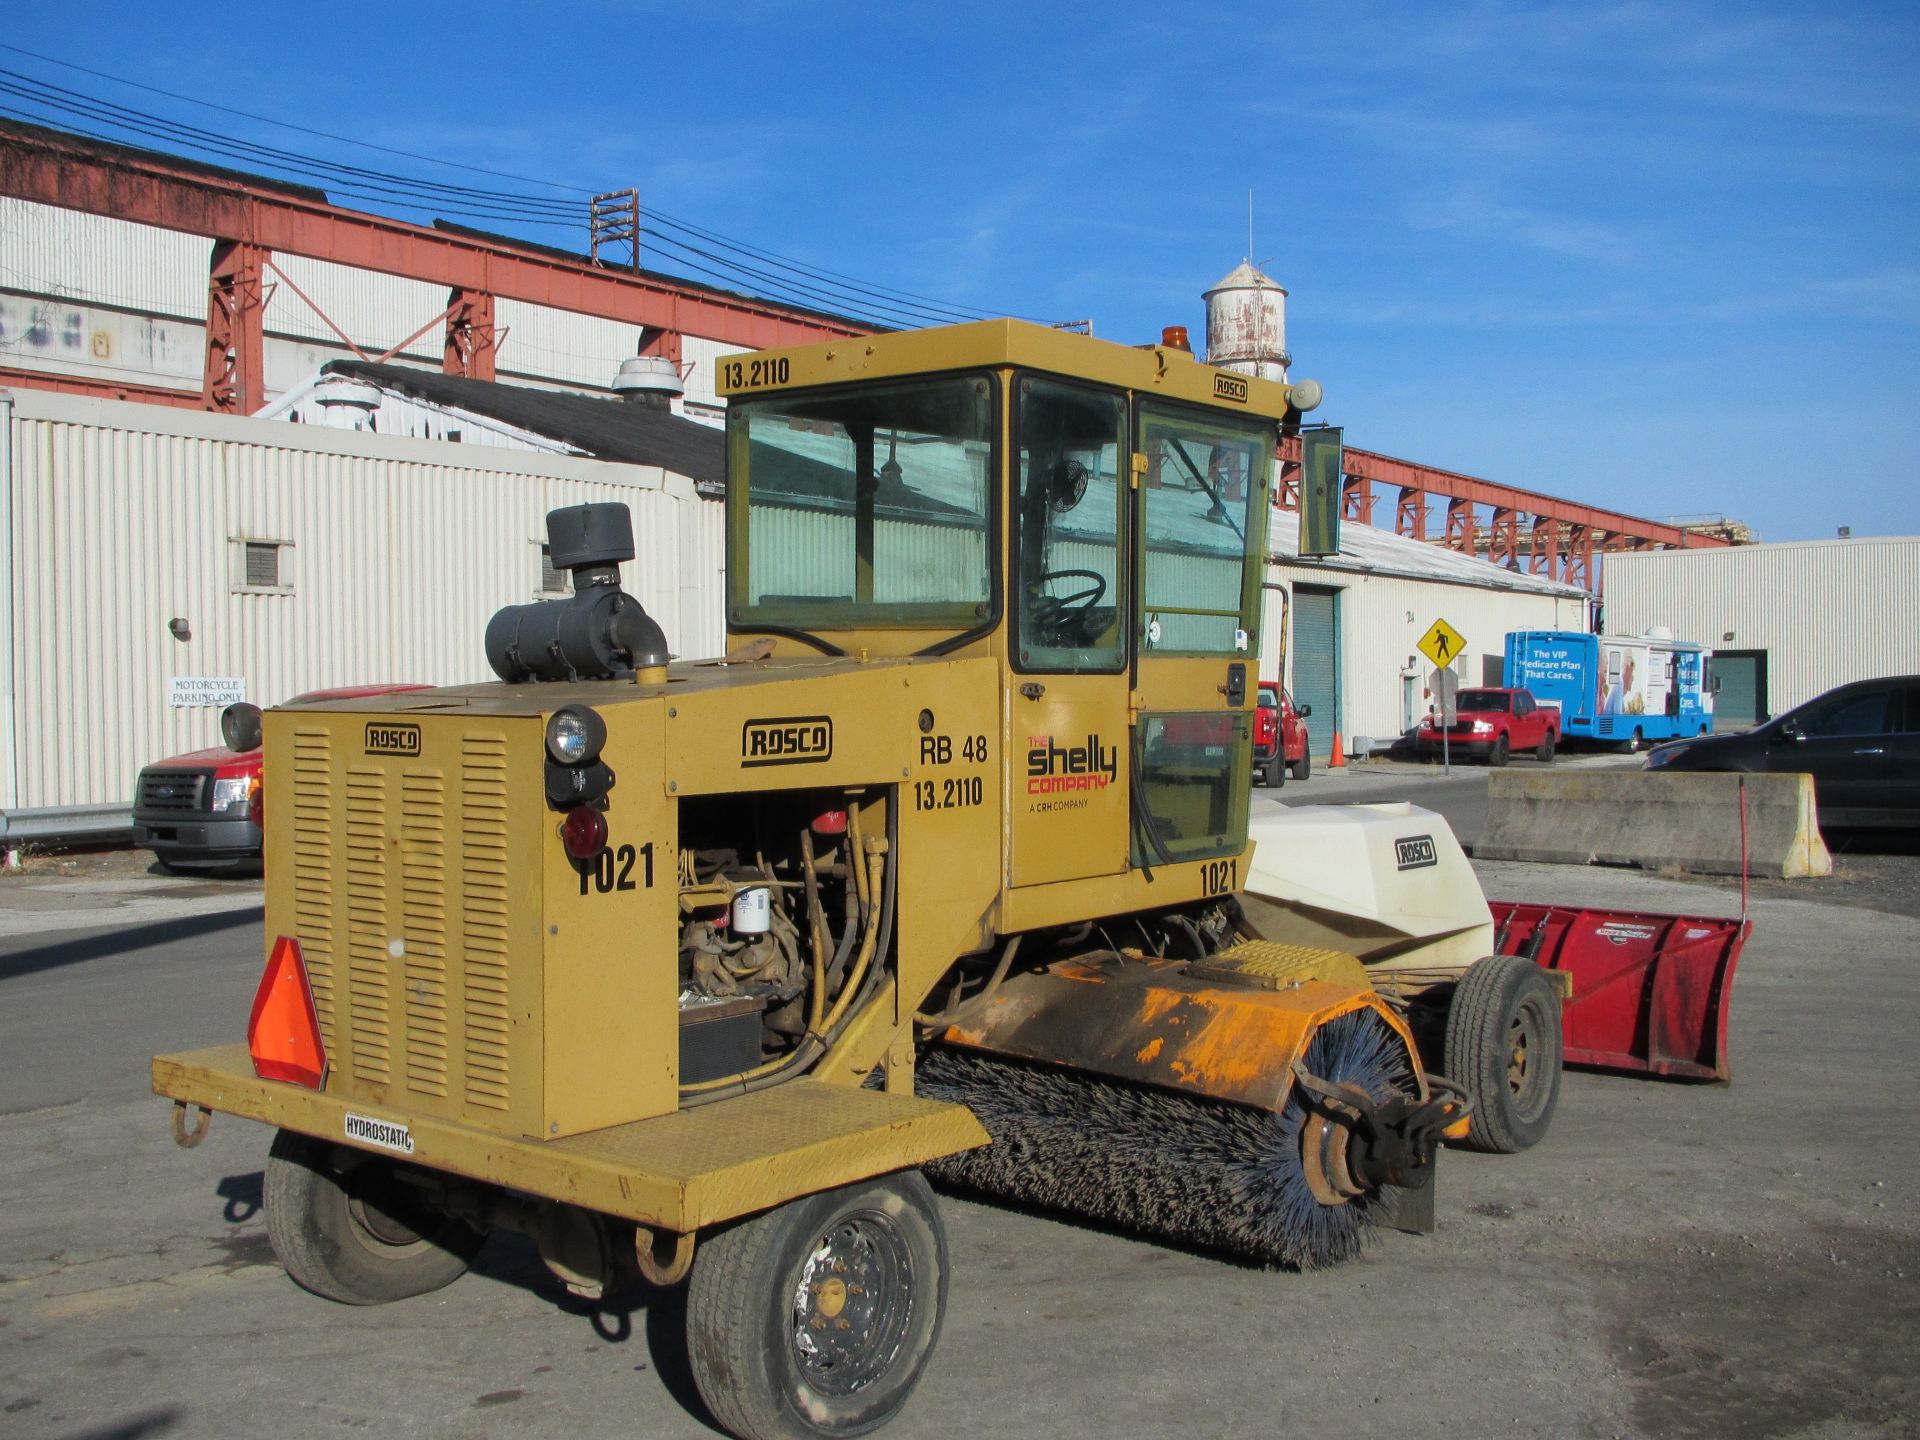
column 1192, row 1169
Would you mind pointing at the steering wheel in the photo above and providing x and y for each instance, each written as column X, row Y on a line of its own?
column 1071, row 609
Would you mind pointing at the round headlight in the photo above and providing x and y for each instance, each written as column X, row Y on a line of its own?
column 575, row 735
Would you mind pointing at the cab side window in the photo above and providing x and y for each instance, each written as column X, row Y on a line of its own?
column 1866, row 713
column 1203, row 476
column 1906, row 721
column 1069, row 595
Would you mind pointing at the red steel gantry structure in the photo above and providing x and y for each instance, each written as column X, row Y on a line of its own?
column 251, row 219
column 1525, row 530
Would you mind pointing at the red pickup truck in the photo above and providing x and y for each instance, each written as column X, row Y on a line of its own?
column 201, row 811
column 1279, row 737
column 1493, row 724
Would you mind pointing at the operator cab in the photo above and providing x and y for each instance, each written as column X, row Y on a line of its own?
column 1092, row 515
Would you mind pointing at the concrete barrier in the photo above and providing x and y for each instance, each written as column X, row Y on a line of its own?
column 1637, row 817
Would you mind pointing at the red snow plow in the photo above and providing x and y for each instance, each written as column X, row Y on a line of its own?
column 1500, row 994
column 1649, row 992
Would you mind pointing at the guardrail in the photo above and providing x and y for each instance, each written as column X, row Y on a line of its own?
column 57, row 824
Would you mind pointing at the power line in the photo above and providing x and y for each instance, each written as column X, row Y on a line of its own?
column 844, row 293
column 289, row 125
column 74, row 102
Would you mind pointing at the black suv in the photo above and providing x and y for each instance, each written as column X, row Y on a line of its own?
column 1860, row 742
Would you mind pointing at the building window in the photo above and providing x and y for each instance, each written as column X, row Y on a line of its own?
column 261, row 567
column 263, row 564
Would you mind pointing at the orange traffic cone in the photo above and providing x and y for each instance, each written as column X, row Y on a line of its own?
column 1339, row 758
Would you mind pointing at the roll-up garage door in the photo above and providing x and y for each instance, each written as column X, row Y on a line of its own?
column 1316, row 661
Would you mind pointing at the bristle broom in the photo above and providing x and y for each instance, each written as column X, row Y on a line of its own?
column 1190, row 1169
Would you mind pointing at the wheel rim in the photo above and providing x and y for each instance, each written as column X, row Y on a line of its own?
column 1528, row 1064
column 383, row 1212
column 852, row 1304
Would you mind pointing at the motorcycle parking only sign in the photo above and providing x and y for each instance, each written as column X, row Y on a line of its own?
column 186, row 692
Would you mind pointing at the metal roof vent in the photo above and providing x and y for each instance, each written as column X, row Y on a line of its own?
column 347, row 403
column 650, row 380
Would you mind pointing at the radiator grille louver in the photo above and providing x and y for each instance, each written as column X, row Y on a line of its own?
column 370, row 1034
column 423, row 928
column 483, row 917
column 401, row 879
column 313, row 877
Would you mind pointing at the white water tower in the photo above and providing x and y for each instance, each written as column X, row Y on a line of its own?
column 1247, row 324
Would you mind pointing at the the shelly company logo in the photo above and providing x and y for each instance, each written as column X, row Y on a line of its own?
column 1052, row 768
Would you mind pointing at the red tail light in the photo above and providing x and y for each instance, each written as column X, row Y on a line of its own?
column 584, row 832
column 283, row 1032
column 256, row 801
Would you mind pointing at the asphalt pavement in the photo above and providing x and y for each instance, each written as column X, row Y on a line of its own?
column 1727, row 1263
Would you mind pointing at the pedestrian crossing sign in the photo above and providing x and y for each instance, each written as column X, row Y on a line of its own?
column 1442, row 644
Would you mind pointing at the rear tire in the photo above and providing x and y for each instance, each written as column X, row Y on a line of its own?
column 1275, row 774
column 1303, row 767
column 1504, row 1045
column 1545, row 753
column 1497, row 756
column 356, row 1234
column 816, row 1319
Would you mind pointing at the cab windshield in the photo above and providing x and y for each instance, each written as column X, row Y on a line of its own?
column 864, row 505
column 1482, row 701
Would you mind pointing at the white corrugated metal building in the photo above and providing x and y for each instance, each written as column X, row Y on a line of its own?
column 293, row 556
column 1357, row 620
column 1786, row 621
column 124, row 303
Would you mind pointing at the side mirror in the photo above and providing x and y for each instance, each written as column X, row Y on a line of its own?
column 240, row 727
column 1304, row 711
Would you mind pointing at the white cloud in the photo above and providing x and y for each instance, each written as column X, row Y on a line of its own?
column 1469, row 212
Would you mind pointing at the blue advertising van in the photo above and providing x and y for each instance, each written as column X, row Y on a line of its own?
column 1627, row 690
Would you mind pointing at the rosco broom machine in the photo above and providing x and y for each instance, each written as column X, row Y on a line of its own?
column 694, row 969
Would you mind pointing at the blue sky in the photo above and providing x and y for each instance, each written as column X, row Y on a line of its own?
column 1662, row 257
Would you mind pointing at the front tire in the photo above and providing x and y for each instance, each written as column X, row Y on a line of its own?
column 817, row 1318
column 1497, row 756
column 345, row 1227
column 1504, row 1044
column 1303, row 767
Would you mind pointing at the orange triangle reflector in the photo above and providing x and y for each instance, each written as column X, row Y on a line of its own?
column 284, row 1032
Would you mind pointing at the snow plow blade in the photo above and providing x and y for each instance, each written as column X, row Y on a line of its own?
column 1650, row 992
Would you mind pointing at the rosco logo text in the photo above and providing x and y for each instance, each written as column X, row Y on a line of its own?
column 386, row 739
column 384, row 1133
column 1230, row 387
column 789, row 740
column 1416, row 852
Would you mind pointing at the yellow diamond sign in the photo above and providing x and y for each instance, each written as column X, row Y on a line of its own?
column 1442, row 644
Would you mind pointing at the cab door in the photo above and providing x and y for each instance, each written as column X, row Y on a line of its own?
column 1065, row 709
column 1202, row 484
